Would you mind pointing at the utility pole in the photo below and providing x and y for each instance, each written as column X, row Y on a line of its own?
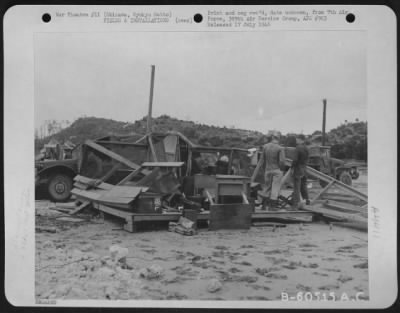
column 323, row 121
column 149, row 128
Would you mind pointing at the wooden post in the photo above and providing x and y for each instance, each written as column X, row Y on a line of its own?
column 149, row 128
column 323, row 121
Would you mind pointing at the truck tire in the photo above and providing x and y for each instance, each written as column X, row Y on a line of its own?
column 59, row 187
column 345, row 178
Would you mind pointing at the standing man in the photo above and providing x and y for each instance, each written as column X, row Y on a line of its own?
column 299, row 170
column 273, row 159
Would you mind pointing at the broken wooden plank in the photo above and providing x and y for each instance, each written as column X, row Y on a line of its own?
column 209, row 197
column 337, row 215
column 89, row 195
column 245, row 200
column 316, row 174
column 65, row 205
column 343, row 207
column 82, row 206
column 121, row 194
column 322, row 191
column 111, row 154
column 110, row 172
column 153, row 151
column 81, row 186
column 91, row 182
column 268, row 224
column 162, row 164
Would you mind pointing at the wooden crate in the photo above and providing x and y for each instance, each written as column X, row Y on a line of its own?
column 230, row 216
column 148, row 203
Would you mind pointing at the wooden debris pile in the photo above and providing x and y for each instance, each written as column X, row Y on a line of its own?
column 343, row 204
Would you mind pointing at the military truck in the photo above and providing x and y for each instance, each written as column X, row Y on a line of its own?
column 321, row 160
column 55, row 168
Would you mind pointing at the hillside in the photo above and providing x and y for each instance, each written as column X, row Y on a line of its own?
column 348, row 140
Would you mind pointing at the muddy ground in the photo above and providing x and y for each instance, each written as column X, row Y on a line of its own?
column 75, row 262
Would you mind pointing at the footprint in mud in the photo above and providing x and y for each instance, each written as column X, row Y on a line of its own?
column 276, row 276
column 301, row 287
column 173, row 295
column 245, row 263
column 308, row 245
column 258, row 287
column 292, row 265
column 185, row 271
column 266, row 270
column 275, row 251
column 330, row 259
column 320, row 274
column 277, row 261
column 172, row 280
column 349, row 248
column 355, row 256
column 331, row 269
column 361, row 265
column 225, row 276
column 328, row 287
column 259, row 298
column 359, row 288
column 234, row 270
column 150, row 251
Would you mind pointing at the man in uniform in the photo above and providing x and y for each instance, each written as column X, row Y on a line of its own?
column 273, row 159
column 299, row 171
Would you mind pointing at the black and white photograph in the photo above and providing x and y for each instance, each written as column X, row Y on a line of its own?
column 201, row 165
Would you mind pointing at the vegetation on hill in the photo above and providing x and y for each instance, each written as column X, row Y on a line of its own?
column 348, row 141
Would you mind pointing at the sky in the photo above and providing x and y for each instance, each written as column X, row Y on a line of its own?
column 262, row 81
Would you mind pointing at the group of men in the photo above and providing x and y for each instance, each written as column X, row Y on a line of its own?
column 274, row 163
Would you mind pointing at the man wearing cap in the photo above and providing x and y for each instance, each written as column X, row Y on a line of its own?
column 273, row 159
column 299, row 170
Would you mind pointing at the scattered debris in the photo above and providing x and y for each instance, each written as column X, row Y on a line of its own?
column 214, row 285
column 153, row 272
column 184, row 227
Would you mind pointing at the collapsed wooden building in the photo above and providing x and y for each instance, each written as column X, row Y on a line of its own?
column 164, row 176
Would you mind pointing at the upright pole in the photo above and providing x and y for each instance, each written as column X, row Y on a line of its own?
column 323, row 121
column 153, row 68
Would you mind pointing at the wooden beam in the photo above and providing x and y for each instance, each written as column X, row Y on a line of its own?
column 313, row 172
column 83, row 205
column 344, row 207
column 111, row 154
column 153, row 151
column 130, row 176
column 209, row 196
column 89, row 181
column 162, row 164
column 141, row 139
column 256, row 170
column 322, row 191
column 110, row 172
column 245, row 200
column 149, row 126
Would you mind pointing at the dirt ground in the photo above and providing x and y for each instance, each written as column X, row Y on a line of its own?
column 75, row 262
